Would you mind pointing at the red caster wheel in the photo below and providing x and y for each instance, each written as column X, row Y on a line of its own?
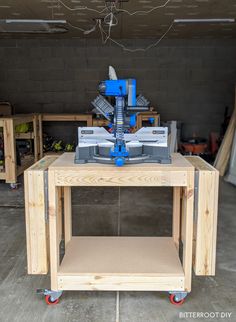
column 49, row 301
column 173, row 301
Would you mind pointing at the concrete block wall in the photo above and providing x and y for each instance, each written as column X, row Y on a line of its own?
column 187, row 80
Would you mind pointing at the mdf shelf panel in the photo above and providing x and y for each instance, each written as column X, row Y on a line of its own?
column 121, row 263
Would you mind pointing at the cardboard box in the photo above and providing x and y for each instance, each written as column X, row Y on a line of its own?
column 5, row 109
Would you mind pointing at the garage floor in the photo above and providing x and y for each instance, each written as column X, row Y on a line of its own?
column 97, row 212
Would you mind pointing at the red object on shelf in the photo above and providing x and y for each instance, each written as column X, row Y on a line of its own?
column 194, row 148
column 214, row 142
column 194, row 145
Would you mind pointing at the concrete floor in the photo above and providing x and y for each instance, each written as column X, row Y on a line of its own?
column 97, row 212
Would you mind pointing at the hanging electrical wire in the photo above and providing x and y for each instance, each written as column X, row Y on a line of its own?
column 117, row 9
column 82, row 8
column 102, row 31
column 104, row 35
column 111, row 20
column 142, row 11
column 85, row 31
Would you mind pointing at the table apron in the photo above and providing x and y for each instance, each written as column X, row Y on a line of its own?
column 119, row 179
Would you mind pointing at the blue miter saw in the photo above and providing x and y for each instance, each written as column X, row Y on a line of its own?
column 118, row 146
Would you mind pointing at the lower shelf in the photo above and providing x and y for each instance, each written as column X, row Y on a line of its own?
column 121, row 263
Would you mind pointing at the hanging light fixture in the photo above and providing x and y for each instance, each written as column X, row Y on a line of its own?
column 213, row 20
column 38, row 26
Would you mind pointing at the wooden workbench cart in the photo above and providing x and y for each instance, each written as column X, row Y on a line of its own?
column 11, row 170
column 121, row 263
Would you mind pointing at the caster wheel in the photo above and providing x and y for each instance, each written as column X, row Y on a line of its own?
column 49, row 301
column 13, row 186
column 173, row 301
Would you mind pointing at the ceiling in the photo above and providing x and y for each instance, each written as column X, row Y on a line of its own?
column 140, row 25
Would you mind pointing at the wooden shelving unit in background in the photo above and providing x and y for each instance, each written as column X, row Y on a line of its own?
column 11, row 170
column 141, row 118
column 91, row 121
column 68, row 117
column 100, row 122
column 145, row 117
column 88, row 118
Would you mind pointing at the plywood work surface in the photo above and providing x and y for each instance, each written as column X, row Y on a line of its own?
column 155, row 256
column 67, row 173
column 178, row 163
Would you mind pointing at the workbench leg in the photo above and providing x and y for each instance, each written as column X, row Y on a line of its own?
column 54, row 238
column 67, row 215
column 60, row 195
column 176, row 215
column 10, row 151
column 90, row 121
column 187, row 228
column 156, row 120
column 40, row 135
column 36, row 143
column 139, row 121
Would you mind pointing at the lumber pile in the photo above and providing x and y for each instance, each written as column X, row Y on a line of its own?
column 223, row 155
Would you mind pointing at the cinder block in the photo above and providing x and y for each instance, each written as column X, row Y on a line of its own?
column 58, row 86
column 17, row 74
column 53, row 108
column 8, row 43
column 40, row 52
column 21, row 108
column 33, row 86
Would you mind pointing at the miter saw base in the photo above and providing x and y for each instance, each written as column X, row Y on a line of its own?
column 147, row 145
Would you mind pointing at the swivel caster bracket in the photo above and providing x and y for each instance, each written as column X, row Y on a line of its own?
column 51, row 297
column 177, row 298
column 14, row 186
